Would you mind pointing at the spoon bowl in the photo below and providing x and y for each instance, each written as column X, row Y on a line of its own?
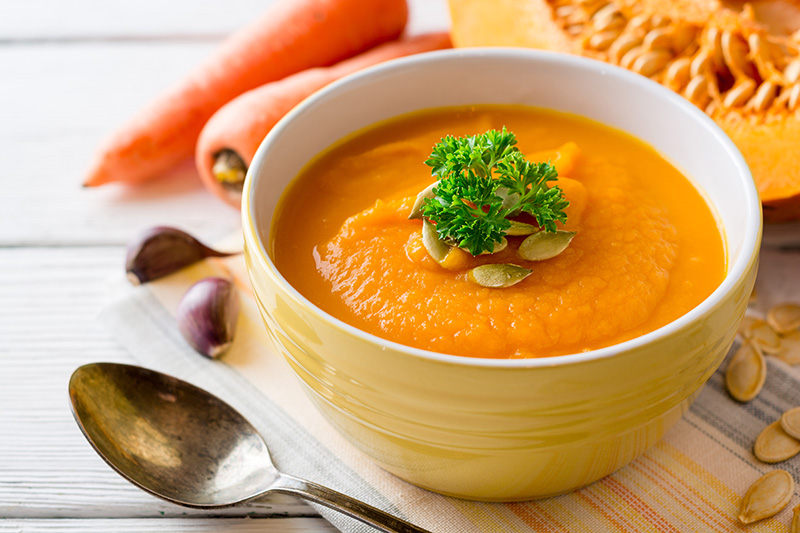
column 185, row 445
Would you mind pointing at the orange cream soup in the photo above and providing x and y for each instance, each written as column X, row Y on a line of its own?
column 647, row 250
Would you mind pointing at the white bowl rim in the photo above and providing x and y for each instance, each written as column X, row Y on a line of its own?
column 736, row 271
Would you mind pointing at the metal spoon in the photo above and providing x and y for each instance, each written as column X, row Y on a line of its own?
column 182, row 444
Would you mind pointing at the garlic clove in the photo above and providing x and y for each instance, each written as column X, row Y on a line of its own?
column 162, row 250
column 207, row 316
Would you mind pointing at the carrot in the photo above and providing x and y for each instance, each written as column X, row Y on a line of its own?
column 292, row 36
column 229, row 140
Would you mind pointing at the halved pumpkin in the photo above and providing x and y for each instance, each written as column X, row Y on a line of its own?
column 738, row 61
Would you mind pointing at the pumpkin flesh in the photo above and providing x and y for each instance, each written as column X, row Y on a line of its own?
column 739, row 62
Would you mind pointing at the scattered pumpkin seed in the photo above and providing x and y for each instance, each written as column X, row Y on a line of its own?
column 545, row 245
column 795, row 527
column 753, row 296
column 498, row 275
column 746, row 325
column 784, row 318
column 437, row 248
column 767, row 496
column 790, row 422
column 774, row 445
column 521, row 228
column 427, row 192
column 790, row 349
column 746, row 373
column 762, row 335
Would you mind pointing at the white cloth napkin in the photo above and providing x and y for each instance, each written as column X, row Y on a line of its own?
column 692, row 480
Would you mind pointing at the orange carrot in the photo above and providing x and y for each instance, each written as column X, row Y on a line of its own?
column 292, row 36
column 230, row 138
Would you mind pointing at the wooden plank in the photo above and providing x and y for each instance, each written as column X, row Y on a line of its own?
column 42, row 20
column 170, row 525
column 199, row 20
column 48, row 327
column 60, row 103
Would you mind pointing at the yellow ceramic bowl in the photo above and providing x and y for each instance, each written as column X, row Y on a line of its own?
column 504, row 429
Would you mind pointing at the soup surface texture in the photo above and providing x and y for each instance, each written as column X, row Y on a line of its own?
column 647, row 249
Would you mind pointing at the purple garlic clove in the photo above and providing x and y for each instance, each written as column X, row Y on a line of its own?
column 207, row 316
column 162, row 250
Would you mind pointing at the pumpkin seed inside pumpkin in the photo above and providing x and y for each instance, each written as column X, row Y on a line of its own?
column 545, row 245
column 767, row 496
column 774, row 445
column 498, row 275
column 746, row 373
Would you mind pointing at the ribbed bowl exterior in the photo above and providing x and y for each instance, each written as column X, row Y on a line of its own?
column 488, row 432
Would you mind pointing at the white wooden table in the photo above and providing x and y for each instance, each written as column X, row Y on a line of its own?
column 70, row 71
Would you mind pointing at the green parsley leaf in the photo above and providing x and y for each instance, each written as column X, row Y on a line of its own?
column 484, row 180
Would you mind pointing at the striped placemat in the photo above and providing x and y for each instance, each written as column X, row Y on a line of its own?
column 692, row 480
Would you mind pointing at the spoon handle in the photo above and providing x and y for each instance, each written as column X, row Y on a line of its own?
column 368, row 514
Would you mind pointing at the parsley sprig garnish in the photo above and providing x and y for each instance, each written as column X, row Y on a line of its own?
column 484, row 180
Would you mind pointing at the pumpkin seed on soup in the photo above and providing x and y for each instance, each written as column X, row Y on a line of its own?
column 521, row 228
column 437, row 248
column 497, row 275
column 498, row 247
column 545, row 245
column 366, row 252
column 509, row 198
column 427, row 192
